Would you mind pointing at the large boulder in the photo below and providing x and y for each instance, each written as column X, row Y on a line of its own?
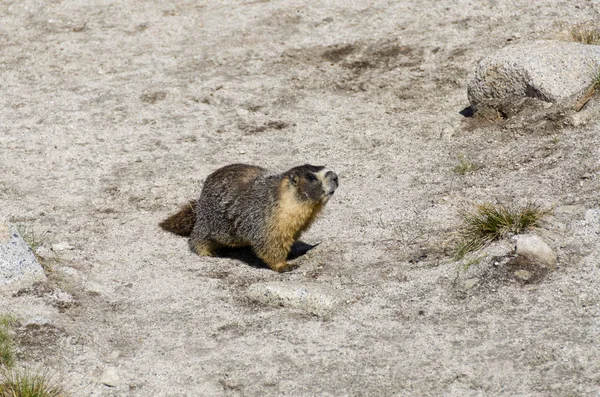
column 546, row 70
column 18, row 265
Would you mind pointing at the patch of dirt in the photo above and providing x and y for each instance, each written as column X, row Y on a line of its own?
column 359, row 66
column 52, row 295
column 38, row 343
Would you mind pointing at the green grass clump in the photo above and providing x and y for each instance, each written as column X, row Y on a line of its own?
column 490, row 222
column 585, row 33
column 28, row 384
column 24, row 382
column 465, row 166
column 7, row 351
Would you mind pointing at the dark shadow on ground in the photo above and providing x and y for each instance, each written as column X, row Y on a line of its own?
column 247, row 256
column 468, row 111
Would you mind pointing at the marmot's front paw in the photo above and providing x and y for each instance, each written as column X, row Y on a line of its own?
column 282, row 267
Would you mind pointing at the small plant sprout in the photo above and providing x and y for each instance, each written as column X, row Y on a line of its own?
column 465, row 166
column 33, row 240
column 489, row 222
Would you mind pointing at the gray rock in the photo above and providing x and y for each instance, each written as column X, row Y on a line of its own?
column 18, row 266
column 110, row 377
column 551, row 71
column 315, row 298
column 535, row 249
column 471, row 282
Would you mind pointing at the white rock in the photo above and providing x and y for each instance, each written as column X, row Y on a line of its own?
column 18, row 266
column 548, row 70
column 535, row 249
column 110, row 377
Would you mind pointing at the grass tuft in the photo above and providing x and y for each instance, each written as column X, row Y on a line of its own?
column 33, row 240
column 490, row 222
column 594, row 85
column 595, row 77
column 465, row 166
column 8, row 320
column 7, row 351
column 585, row 33
column 26, row 383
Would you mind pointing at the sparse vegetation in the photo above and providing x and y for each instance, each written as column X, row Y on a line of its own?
column 587, row 95
column 35, row 241
column 26, row 383
column 474, row 261
column 21, row 382
column 490, row 222
column 465, row 166
column 596, row 77
column 31, row 238
column 585, row 33
column 7, row 354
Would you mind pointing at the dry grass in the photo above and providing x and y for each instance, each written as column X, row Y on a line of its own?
column 31, row 238
column 489, row 222
column 21, row 383
column 465, row 166
column 7, row 351
column 26, row 383
column 585, row 33
column 585, row 98
column 35, row 241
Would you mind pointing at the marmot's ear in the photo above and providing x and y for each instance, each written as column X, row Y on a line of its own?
column 294, row 178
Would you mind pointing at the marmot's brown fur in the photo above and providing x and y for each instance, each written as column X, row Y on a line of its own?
column 244, row 205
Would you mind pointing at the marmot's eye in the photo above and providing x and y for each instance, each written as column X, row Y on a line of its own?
column 311, row 177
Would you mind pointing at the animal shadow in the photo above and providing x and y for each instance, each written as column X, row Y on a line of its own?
column 247, row 256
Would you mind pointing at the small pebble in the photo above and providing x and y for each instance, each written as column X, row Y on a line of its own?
column 110, row 377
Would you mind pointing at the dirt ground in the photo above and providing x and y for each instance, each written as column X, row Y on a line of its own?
column 113, row 113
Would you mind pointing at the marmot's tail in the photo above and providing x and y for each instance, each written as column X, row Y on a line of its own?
column 182, row 222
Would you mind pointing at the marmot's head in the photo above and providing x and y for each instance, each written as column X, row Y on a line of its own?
column 313, row 183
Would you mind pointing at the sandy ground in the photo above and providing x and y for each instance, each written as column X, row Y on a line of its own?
column 113, row 113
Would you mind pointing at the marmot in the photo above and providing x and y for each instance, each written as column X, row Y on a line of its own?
column 244, row 205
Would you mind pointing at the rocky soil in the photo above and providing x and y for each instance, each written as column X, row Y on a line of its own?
column 113, row 113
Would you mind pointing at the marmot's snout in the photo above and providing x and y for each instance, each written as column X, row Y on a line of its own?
column 331, row 183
